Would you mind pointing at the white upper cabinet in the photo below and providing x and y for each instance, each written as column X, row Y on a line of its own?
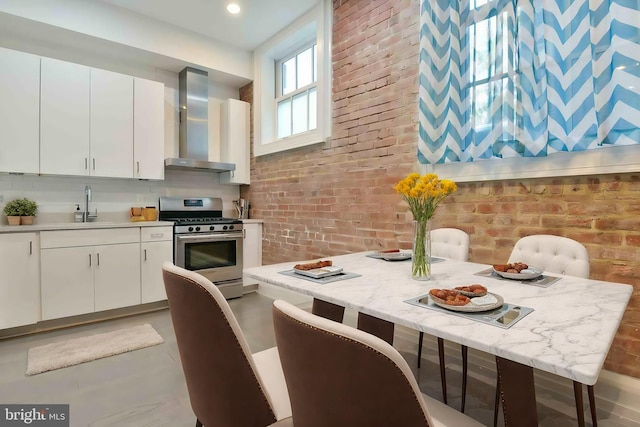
column 64, row 118
column 234, row 141
column 148, row 129
column 19, row 112
column 111, row 124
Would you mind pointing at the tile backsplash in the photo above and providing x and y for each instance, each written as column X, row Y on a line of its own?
column 57, row 196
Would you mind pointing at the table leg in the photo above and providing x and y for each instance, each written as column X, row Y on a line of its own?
column 517, row 393
column 577, row 391
column 592, row 405
column 327, row 310
column 465, row 352
column 443, row 372
column 375, row 326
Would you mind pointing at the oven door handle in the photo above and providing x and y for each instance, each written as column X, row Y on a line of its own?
column 207, row 237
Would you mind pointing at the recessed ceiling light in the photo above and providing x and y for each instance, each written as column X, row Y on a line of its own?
column 233, row 8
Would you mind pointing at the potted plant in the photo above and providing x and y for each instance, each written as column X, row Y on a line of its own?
column 13, row 210
column 29, row 210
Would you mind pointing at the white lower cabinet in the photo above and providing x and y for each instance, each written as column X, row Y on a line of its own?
column 156, row 248
column 252, row 246
column 83, row 271
column 20, row 284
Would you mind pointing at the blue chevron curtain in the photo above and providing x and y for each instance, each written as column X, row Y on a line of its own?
column 527, row 78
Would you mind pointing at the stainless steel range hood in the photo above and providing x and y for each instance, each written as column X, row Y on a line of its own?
column 193, row 97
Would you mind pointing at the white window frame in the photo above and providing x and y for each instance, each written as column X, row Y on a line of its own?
column 316, row 23
column 303, row 89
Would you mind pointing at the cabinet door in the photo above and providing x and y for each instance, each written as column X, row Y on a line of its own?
column 111, row 124
column 153, row 255
column 252, row 248
column 117, row 276
column 67, row 281
column 64, row 118
column 19, row 112
column 20, row 284
column 148, row 129
column 234, row 141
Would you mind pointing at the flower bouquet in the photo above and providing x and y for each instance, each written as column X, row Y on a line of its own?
column 423, row 194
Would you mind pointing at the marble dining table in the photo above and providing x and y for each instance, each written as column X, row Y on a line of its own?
column 568, row 333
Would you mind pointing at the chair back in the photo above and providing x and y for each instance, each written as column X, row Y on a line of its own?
column 450, row 243
column 340, row 376
column 554, row 254
column 224, row 386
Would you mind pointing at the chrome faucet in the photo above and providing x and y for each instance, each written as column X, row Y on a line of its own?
column 86, row 216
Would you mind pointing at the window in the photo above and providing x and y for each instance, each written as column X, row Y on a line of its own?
column 296, row 80
column 292, row 84
column 529, row 90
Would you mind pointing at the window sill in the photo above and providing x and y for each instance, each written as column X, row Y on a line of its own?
column 604, row 160
column 302, row 140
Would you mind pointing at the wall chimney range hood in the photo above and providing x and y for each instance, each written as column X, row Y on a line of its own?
column 193, row 97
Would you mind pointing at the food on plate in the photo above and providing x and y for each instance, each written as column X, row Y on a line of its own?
column 389, row 251
column 313, row 265
column 450, row 297
column 515, row 267
column 474, row 289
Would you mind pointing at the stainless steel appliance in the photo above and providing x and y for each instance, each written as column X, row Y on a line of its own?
column 193, row 95
column 205, row 241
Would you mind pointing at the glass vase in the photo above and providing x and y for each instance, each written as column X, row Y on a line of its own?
column 421, row 261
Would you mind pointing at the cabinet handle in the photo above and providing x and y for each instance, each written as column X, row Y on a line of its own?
column 89, row 260
column 98, row 255
column 86, row 163
column 157, row 234
column 30, row 247
column 94, row 163
column 145, row 254
column 244, row 233
column 138, row 166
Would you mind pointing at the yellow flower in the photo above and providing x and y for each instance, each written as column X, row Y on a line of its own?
column 424, row 193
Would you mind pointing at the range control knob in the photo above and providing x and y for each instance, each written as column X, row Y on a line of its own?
column 212, row 228
column 225, row 227
column 197, row 228
column 190, row 228
column 231, row 227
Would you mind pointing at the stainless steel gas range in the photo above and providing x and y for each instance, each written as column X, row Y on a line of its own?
column 205, row 241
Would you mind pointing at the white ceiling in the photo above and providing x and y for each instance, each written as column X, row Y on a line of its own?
column 257, row 22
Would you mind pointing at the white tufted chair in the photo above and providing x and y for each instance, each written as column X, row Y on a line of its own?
column 554, row 254
column 561, row 255
column 450, row 243
column 454, row 244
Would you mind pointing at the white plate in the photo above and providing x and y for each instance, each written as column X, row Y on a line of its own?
column 396, row 256
column 318, row 273
column 526, row 274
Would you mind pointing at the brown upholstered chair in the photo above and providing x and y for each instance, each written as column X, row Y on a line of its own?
column 228, row 386
column 339, row 376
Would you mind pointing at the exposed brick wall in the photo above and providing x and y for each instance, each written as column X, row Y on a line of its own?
column 338, row 197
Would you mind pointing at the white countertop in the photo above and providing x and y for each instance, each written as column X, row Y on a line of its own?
column 81, row 226
column 252, row 221
column 569, row 333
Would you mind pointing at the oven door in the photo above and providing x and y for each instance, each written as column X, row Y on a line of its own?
column 217, row 256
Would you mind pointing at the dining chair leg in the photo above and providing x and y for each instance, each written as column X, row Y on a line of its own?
column 465, row 350
column 592, row 405
column 496, row 406
column 198, row 423
column 420, row 338
column 443, row 374
column 577, row 391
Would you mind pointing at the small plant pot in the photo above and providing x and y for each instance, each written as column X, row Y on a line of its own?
column 26, row 220
column 13, row 220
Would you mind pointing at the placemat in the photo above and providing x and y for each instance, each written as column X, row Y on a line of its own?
column 342, row 276
column 542, row 281
column 503, row 317
column 375, row 255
